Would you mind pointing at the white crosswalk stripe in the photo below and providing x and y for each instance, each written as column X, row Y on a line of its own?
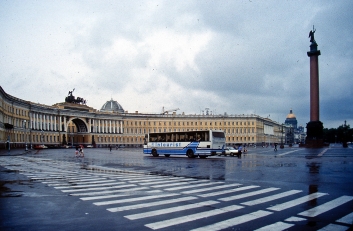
column 232, row 198
column 134, row 199
column 348, row 219
column 229, row 191
column 210, row 188
column 234, row 221
column 295, row 202
column 170, row 210
column 193, row 186
column 326, row 207
column 109, row 191
column 192, row 217
column 150, row 204
column 278, row 226
column 271, row 198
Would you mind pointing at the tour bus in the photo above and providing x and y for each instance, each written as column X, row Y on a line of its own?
column 191, row 143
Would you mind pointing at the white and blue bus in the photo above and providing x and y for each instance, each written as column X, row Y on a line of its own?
column 191, row 143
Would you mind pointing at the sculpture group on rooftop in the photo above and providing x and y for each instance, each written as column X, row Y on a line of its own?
column 71, row 99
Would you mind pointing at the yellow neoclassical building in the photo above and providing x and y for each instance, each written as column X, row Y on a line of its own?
column 72, row 122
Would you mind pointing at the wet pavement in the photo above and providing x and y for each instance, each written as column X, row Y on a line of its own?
column 27, row 204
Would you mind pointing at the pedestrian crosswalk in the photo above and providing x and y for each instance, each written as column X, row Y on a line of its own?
column 163, row 202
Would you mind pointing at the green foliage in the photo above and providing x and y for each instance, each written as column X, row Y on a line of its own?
column 338, row 135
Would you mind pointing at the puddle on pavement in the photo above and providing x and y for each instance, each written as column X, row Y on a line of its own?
column 6, row 185
column 6, row 192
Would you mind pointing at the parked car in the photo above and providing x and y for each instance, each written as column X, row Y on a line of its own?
column 230, row 151
column 41, row 146
column 90, row 146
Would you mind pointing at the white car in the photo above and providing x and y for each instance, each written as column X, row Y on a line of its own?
column 89, row 146
column 230, row 151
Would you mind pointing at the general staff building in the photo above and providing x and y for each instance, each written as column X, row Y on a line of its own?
column 72, row 123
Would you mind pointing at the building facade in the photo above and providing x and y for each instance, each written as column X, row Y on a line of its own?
column 23, row 122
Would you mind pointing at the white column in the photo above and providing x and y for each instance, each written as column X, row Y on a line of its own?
column 41, row 121
column 60, row 123
column 55, row 123
column 114, row 126
column 121, row 126
column 94, row 125
column 65, row 124
column 99, row 126
column 110, row 126
column 32, row 121
column 51, row 123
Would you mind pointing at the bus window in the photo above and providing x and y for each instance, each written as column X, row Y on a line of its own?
column 218, row 134
column 168, row 138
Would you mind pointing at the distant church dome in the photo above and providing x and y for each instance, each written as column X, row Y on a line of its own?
column 291, row 119
column 112, row 106
column 291, row 115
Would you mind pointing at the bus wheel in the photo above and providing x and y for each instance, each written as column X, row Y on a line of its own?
column 167, row 155
column 190, row 153
column 154, row 153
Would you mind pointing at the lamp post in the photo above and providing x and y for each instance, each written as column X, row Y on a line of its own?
column 282, row 146
column 42, row 137
column 24, row 122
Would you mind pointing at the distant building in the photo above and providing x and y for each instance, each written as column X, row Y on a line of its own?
column 112, row 106
column 291, row 119
column 294, row 133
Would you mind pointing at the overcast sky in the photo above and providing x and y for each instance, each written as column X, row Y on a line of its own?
column 239, row 57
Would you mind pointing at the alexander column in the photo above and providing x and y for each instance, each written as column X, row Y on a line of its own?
column 314, row 128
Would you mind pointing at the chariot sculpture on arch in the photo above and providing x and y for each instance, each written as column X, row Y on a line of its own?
column 71, row 99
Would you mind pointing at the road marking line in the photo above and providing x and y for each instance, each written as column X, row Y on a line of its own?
column 150, row 204
column 231, row 198
column 193, row 217
column 295, row 219
column 278, row 226
column 229, row 191
column 209, row 189
column 271, row 198
column 193, row 186
column 295, row 202
column 93, row 189
column 326, row 207
column 134, row 199
column 234, row 221
column 109, row 191
column 286, row 153
column 66, row 181
column 89, row 185
column 71, row 183
column 113, row 196
column 323, row 152
column 334, row 227
column 348, row 219
column 169, row 181
column 154, row 179
column 170, row 210
column 168, row 185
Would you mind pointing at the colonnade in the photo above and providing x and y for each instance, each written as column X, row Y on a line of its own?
column 49, row 122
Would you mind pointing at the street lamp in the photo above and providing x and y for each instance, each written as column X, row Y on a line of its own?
column 24, row 121
column 282, row 146
column 42, row 137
